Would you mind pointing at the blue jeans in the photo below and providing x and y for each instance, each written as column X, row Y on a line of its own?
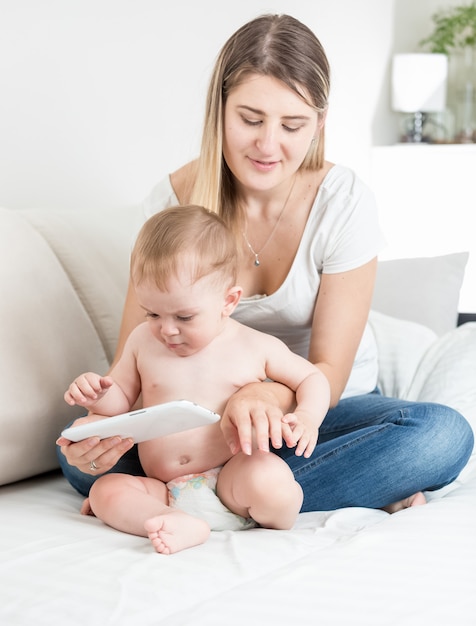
column 372, row 451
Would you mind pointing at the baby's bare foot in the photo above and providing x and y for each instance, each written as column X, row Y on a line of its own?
column 417, row 499
column 176, row 531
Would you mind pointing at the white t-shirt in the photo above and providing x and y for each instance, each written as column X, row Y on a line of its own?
column 341, row 234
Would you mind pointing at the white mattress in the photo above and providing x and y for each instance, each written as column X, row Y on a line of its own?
column 352, row 566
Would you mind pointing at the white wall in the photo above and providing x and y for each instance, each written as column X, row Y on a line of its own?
column 426, row 194
column 100, row 98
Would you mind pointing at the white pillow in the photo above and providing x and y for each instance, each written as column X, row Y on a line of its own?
column 447, row 371
column 401, row 346
column 416, row 364
column 46, row 339
column 423, row 290
column 93, row 248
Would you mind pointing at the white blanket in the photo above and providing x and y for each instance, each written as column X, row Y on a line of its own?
column 352, row 567
column 342, row 568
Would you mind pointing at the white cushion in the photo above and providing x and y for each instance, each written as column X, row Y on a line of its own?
column 401, row 346
column 46, row 339
column 424, row 290
column 447, row 372
column 415, row 364
column 93, row 248
column 63, row 278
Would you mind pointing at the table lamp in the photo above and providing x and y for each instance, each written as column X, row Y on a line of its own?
column 419, row 88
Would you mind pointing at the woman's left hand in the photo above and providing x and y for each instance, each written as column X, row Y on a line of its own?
column 254, row 414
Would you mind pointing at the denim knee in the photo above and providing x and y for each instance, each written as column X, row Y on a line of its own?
column 77, row 479
column 448, row 443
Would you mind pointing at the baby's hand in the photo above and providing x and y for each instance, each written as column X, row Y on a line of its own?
column 87, row 389
column 300, row 431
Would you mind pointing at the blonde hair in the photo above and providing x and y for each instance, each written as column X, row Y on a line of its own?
column 271, row 45
column 180, row 235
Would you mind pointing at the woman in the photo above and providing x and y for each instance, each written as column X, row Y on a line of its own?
column 309, row 240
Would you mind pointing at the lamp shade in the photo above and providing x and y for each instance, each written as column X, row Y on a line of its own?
column 419, row 82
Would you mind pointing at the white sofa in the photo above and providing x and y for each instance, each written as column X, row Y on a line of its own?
column 63, row 277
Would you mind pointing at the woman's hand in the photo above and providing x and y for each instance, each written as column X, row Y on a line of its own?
column 254, row 414
column 93, row 455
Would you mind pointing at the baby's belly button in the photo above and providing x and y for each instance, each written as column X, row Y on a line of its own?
column 183, row 460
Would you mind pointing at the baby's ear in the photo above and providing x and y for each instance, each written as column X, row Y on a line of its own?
column 232, row 297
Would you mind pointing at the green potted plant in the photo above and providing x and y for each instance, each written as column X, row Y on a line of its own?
column 454, row 34
column 454, row 30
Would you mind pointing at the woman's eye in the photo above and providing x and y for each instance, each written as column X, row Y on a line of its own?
column 291, row 129
column 288, row 129
column 251, row 122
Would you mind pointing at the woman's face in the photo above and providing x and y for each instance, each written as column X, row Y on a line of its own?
column 268, row 130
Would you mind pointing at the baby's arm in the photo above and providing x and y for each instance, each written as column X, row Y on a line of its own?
column 99, row 394
column 113, row 394
column 313, row 399
column 301, row 427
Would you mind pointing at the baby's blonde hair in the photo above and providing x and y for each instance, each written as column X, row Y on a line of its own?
column 180, row 235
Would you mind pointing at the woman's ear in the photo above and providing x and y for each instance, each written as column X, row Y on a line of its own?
column 232, row 297
column 322, row 119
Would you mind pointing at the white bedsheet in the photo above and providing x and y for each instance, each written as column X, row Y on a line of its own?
column 343, row 568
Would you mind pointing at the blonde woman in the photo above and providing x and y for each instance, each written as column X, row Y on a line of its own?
column 309, row 239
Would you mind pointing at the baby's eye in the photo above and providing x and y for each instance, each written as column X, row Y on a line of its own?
column 152, row 316
column 184, row 318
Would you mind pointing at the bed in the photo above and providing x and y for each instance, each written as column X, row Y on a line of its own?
column 63, row 279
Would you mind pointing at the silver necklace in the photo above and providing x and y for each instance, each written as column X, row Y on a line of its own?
column 257, row 262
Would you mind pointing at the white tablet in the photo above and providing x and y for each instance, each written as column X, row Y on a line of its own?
column 144, row 424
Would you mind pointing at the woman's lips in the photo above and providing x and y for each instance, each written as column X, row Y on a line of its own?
column 264, row 166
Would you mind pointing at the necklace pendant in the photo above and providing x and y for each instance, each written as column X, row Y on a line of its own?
column 256, row 262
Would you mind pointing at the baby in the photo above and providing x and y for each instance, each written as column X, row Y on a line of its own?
column 183, row 269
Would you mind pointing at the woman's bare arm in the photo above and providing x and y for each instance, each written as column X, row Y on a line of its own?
column 132, row 316
column 340, row 316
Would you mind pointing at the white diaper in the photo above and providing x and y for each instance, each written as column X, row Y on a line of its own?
column 195, row 494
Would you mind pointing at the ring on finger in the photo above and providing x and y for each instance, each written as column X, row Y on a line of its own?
column 92, row 466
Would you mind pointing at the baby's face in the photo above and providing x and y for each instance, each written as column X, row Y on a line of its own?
column 188, row 315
